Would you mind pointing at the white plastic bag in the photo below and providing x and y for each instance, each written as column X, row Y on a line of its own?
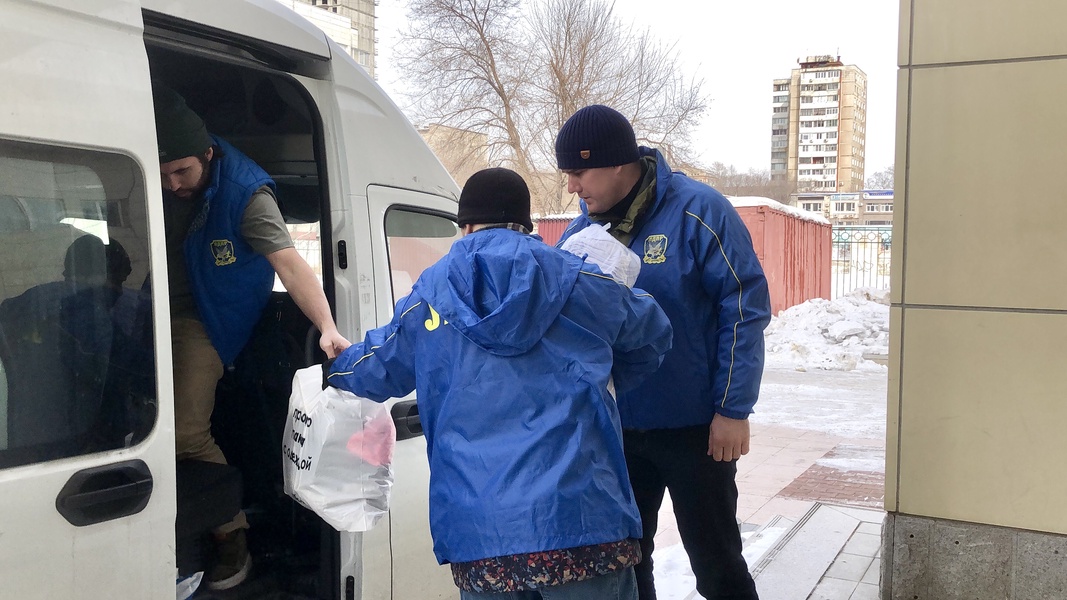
column 187, row 586
column 611, row 256
column 614, row 259
column 337, row 453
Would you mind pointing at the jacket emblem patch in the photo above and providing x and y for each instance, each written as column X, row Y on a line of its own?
column 222, row 250
column 434, row 321
column 655, row 249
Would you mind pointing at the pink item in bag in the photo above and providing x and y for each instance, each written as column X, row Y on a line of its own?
column 374, row 444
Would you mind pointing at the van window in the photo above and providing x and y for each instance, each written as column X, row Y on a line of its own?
column 76, row 351
column 299, row 198
column 415, row 240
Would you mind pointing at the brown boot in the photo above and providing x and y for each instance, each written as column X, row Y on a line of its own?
column 232, row 561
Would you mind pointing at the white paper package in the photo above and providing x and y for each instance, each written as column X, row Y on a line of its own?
column 614, row 259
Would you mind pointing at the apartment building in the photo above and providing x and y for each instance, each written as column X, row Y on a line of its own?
column 818, row 126
column 358, row 16
column 867, row 207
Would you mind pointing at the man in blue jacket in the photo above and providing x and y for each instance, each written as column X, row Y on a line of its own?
column 684, row 426
column 510, row 344
column 225, row 241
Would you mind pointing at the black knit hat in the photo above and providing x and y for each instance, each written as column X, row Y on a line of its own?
column 180, row 132
column 596, row 136
column 495, row 196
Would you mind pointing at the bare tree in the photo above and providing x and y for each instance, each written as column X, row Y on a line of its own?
column 882, row 180
column 728, row 180
column 468, row 71
column 461, row 151
column 516, row 76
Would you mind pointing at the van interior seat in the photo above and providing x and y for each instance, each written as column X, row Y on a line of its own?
column 299, row 198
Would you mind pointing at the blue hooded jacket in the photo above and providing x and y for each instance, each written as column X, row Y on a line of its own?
column 510, row 344
column 697, row 261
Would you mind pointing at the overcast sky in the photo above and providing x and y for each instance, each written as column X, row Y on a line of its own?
column 738, row 48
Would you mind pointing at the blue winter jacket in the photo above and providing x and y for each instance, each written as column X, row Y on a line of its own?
column 231, row 283
column 509, row 344
column 699, row 264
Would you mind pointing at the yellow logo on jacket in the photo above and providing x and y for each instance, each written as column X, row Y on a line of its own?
column 222, row 250
column 434, row 321
column 655, row 249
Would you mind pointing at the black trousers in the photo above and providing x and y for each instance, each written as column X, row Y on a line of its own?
column 704, row 495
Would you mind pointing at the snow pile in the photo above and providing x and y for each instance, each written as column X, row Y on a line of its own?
column 837, row 335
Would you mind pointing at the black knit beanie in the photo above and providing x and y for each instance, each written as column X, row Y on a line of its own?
column 180, row 132
column 495, row 196
column 596, row 136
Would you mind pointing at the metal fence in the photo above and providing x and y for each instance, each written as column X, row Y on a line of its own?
column 860, row 257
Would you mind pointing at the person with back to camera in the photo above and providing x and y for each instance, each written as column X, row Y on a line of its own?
column 226, row 239
column 686, row 425
column 510, row 344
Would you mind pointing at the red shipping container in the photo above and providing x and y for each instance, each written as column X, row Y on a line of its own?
column 551, row 227
column 794, row 250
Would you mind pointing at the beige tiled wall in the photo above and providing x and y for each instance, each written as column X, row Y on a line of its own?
column 987, row 150
column 953, row 31
column 983, row 417
column 892, row 426
column 978, row 395
column 900, row 202
column 904, row 34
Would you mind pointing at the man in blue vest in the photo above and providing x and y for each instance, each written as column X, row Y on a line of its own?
column 687, row 424
column 226, row 239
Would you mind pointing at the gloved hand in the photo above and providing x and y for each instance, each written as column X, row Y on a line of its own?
column 326, row 372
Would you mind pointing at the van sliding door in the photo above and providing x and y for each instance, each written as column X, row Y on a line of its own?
column 411, row 232
column 86, row 425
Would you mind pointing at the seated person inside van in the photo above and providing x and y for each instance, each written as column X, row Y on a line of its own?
column 59, row 347
column 226, row 239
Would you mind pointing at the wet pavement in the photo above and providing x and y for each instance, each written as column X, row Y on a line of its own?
column 835, row 457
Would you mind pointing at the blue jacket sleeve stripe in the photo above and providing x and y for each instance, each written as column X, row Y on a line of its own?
column 405, row 313
column 596, row 275
column 373, row 348
column 740, row 311
column 365, row 356
column 343, row 373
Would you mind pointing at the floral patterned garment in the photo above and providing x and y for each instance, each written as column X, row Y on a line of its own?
column 522, row 572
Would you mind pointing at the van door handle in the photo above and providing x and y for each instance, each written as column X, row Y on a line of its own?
column 104, row 493
column 406, row 418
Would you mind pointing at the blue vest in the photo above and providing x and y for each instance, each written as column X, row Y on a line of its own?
column 230, row 281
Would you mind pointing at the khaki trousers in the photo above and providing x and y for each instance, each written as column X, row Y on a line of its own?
column 197, row 370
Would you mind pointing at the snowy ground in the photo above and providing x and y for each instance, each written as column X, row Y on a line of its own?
column 817, row 379
column 847, row 404
column 819, row 375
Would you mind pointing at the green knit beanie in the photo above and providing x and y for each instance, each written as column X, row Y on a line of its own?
column 180, row 132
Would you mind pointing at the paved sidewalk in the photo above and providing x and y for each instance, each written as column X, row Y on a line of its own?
column 784, row 473
column 833, row 553
column 788, row 468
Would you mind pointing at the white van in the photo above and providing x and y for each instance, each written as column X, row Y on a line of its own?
column 89, row 488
